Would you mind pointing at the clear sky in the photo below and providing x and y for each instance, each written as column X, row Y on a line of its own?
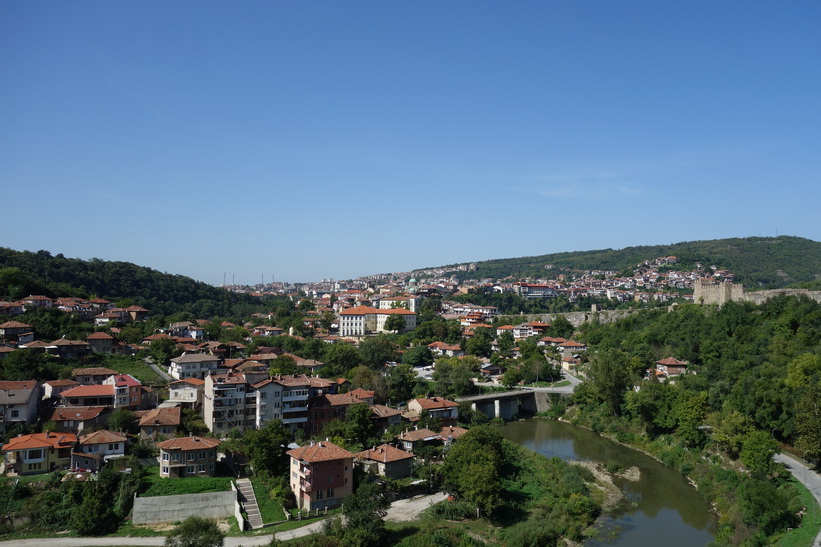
column 308, row 140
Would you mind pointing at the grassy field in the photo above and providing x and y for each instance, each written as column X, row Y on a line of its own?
column 157, row 486
column 810, row 524
column 269, row 509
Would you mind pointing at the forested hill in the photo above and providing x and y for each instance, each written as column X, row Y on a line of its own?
column 757, row 261
column 24, row 273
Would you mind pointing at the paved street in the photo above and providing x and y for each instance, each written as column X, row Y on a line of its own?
column 806, row 476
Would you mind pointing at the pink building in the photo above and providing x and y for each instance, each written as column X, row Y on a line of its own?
column 321, row 475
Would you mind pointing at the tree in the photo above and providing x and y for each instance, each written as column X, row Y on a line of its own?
column 266, row 448
column 561, row 327
column 95, row 515
column 758, row 451
column 395, row 323
column 284, row 364
column 418, row 356
column 800, row 369
column 123, row 419
column 808, row 423
column 341, row 358
column 359, row 422
column 474, row 467
column 363, row 512
column 162, row 350
column 401, row 380
column 377, row 351
column 610, row 377
column 195, row 532
column 26, row 364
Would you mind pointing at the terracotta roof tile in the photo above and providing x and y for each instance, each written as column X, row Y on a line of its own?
column 322, row 451
column 384, row 453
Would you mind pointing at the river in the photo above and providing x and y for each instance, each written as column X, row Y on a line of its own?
column 661, row 508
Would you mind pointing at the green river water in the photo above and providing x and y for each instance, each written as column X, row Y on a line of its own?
column 661, row 508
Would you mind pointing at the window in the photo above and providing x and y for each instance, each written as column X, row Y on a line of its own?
column 15, row 413
column 35, row 454
column 192, row 456
column 165, row 456
column 164, row 470
column 201, row 468
column 330, row 493
column 113, row 446
column 319, row 494
column 190, row 469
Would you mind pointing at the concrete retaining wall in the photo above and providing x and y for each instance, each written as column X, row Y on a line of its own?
column 156, row 509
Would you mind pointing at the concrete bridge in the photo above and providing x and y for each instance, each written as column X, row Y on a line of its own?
column 506, row 405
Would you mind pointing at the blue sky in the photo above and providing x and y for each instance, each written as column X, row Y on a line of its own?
column 308, row 140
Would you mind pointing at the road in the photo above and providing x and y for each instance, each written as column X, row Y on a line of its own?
column 399, row 511
column 806, row 476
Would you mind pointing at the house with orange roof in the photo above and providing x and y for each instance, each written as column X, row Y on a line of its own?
column 53, row 388
column 385, row 416
column 386, row 460
column 671, row 367
column 38, row 453
column 436, row 407
column 96, row 448
column 328, row 407
column 188, row 457
column 101, row 395
column 411, row 440
column 10, row 331
column 321, row 475
column 79, row 419
column 92, row 376
column 101, row 342
column 160, row 422
column 127, row 392
column 186, row 393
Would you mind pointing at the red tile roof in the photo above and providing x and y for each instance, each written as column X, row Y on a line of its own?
column 322, row 451
column 89, row 391
column 161, row 416
column 102, row 437
column 384, row 453
column 188, row 443
column 433, row 403
column 40, row 440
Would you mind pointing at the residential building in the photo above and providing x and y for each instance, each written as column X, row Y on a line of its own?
column 269, row 401
column 188, row 457
column 72, row 349
column 411, row 440
column 10, row 331
column 321, row 475
column 127, row 392
column 92, row 376
column 186, row 393
column 437, row 407
column 53, row 388
column 160, row 422
column 328, row 407
column 38, row 453
column 101, row 342
column 388, row 461
column 79, row 419
column 385, row 417
column 193, row 365
column 97, row 448
column 88, row 396
column 229, row 403
column 18, row 402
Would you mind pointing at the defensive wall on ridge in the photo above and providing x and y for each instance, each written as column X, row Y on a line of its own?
column 721, row 293
column 576, row 318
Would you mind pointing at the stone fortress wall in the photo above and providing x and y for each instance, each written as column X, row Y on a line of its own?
column 721, row 293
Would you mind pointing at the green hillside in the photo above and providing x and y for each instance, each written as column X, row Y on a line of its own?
column 24, row 273
column 764, row 262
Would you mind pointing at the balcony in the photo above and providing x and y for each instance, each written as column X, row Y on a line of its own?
column 295, row 409
column 300, row 420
